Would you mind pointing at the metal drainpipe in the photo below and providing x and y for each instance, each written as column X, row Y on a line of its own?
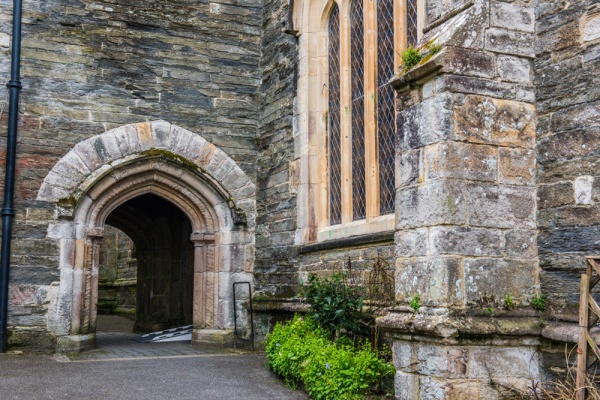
column 14, row 86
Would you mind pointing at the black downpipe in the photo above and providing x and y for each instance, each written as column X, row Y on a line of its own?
column 8, row 213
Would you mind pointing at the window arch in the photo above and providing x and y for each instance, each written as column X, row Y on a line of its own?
column 349, row 51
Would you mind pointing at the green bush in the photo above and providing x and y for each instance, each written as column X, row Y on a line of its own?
column 288, row 346
column 335, row 306
column 300, row 351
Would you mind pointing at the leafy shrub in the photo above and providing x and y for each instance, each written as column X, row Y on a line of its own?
column 335, row 305
column 289, row 345
column 300, row 351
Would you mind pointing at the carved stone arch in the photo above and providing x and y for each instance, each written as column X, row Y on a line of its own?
column 105, row 171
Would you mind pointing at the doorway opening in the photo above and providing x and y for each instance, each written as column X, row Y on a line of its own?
column 152, row 260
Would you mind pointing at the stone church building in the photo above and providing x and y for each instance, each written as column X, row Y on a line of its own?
column 263, row 140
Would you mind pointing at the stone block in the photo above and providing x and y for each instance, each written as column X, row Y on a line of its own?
column 461, row 161
column 492, row 121
column 515, row 69
column 406, row 386
column 512, row 16
column 516, row 166
column 442, row 361
column 489, row 280
column 503, row 362
column 459, row 240
column 577, row 117
column 583, row 189
column 427, row 122
column 572, row 239
column 469, row 62
column 161, row 131
column 521, row 243
column 555, row 195
column 411, row 243
column 497, row 206
column 591, row 30
column 402, row 353
column 450, row 389
column 477, row 86
column 75, row 344
column 508, row 41
column 438, row 202
column 87, row 153
column 408, row 164
column 438, row 281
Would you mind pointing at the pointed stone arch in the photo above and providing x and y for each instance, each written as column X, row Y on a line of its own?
column 103, row 172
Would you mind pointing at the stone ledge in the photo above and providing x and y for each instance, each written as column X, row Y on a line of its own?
column 566, row 332
column 444, row 325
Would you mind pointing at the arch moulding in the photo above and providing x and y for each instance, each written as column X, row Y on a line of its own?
column 103, row 172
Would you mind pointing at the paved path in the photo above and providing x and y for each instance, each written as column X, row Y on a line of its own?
column 123, row 369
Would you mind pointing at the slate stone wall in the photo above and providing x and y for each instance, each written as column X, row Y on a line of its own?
column 91, row 66
column 276, row 255
column 567, row 77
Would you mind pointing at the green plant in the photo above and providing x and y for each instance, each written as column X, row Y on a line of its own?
column 415, row 303
column 410, row 57
column 435, row 48
column 508, row 302
column 538, row 302
column 288, row 346
column 491, row 311
column 300, row 352
column 336, row 306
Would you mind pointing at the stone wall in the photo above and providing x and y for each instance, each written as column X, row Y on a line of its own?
column 466, row 205
column 567, row 75
column 276, row 255
column 117, row 274
column 89, row 67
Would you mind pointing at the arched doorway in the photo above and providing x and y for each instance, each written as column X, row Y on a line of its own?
column 127, row 177
column 165, row 261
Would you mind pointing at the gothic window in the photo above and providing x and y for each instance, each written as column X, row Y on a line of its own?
column 363, row 56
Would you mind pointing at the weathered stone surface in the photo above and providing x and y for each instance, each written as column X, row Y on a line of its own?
column 516, row 166
column 498, row 206
column 555, row 195
column 583, row 189
column 438, row 281
column 512, row 16
column 429, row 122
column 489, row 280
column 466, row 241
column 461, row 160
column 491, row 121
column 406, row 386
column 411, row 243
column 438, row 202
column 507, row 41
column 408, row 168
column 515, row 69
column 521, row 243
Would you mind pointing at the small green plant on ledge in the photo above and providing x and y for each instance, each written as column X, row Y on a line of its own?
column 508, row 302
column 538, row 302
column 415, row 303
column 410, row 57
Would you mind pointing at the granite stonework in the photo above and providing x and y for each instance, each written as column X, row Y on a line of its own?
column 497, row 183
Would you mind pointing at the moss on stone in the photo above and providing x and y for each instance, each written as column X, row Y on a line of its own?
column 153, row 152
